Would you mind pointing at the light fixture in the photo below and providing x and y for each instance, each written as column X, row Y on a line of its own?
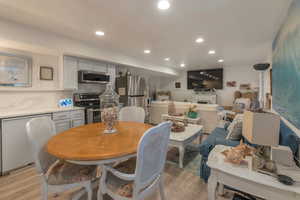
column 167, row 59
column 182, row 65
column 147, row 51
column 199, row 40
column 163, row 4
column 100, row 33
column 211, row 52
column 220, row 60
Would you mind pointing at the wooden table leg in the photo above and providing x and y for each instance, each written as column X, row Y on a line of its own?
column 212, row 186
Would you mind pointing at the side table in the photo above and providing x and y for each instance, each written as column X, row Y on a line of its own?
column 244, row 179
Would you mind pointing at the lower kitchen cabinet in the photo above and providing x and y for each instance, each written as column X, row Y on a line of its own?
column 63, row 125
column 68, row 119
column 77, row 122
column 15, row 147
column 16, row 150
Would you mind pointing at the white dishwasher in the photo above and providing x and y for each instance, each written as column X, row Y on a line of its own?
column 16, row 150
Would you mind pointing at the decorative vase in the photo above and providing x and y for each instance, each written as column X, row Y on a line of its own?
column 192, row 115
column 171, row 108
column 109, row 106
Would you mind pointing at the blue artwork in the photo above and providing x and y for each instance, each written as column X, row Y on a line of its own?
column 286, row 67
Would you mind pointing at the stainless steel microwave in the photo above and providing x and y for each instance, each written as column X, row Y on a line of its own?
column 93, row 77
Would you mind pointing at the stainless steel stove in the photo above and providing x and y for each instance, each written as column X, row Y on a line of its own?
column 91, row 103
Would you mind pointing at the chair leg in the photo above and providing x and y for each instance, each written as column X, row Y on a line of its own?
column 89, row 191
column 161, row 189
column 44, row 191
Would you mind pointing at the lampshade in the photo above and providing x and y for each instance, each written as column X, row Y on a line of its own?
column 261, row 128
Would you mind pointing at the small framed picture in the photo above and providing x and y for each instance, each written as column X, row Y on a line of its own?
column 177, row 85
column 231, row 84
column 46, row 73
column 245, row 86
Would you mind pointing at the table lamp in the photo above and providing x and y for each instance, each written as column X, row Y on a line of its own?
column 261, row 128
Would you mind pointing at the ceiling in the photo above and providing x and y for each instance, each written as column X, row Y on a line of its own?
column 241, row 32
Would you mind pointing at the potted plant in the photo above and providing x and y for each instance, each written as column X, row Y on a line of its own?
column 192, row 113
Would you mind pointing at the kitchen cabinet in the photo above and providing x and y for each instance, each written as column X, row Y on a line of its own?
column 91, row 65
column 61, row 126
column 68, row 119
column 77, row 122
column 70, row 73
column 16, row 150
column 71, row 66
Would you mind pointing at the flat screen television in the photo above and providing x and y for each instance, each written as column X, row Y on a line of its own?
column 205, row 79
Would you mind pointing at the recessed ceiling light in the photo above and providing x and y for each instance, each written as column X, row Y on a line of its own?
column 147, row 51
column 163, row 4
column 167, row 59
column 211, row 52
column 199, row 40
column 100, row 33
column 182, row 65
column 220, row 60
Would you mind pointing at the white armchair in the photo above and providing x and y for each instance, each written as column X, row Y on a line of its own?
column 207, row 112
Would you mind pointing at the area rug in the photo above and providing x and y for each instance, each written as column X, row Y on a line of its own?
column 191, row 161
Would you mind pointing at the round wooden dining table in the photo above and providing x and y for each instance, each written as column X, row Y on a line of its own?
column 88, row 145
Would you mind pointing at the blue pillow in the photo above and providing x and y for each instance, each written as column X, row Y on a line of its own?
column 289, row 138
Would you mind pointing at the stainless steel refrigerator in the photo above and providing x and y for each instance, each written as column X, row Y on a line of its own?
column 131, row 89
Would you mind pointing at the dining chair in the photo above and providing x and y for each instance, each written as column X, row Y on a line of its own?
column 57, row 176
column 148, row 172
column 132, row 114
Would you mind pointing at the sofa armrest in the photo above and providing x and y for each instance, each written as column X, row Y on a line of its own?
column 207, row 146
column 231, row 143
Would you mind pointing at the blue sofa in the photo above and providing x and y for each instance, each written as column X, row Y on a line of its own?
column 218, row 137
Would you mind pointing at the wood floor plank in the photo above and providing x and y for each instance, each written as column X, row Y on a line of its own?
column 25, row 184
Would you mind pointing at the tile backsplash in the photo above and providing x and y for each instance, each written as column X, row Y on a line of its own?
column 19, row 101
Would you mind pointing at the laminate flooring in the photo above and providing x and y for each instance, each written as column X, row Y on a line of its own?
column 25, row 184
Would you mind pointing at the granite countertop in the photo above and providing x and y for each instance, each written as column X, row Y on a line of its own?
column 19, row 113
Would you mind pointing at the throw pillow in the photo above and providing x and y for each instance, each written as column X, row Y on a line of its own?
column 236, row 132
column 238, row 117
column 235, row 129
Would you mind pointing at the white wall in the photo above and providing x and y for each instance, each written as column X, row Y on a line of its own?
column 41, row 43
column 22, row 37
column 240, row 74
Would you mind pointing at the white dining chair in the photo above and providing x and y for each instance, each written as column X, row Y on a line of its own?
column 57, row 176
column 132, row 114
column 148, row 172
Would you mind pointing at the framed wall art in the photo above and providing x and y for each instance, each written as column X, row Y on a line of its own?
column 46, row 73
column 15, row 70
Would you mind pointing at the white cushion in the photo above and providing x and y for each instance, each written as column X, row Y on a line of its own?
column 235, row 129
column 245, row 101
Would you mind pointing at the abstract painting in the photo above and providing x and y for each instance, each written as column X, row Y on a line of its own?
column 15, row 70
column 286, row 67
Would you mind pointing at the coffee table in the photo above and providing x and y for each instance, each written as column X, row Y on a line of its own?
column 182, row 139
column 166, row 117
column 244, row 179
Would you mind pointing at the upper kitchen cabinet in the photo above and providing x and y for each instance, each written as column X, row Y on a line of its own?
column 70, row 73
column 92, row 65
column 74, row 64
